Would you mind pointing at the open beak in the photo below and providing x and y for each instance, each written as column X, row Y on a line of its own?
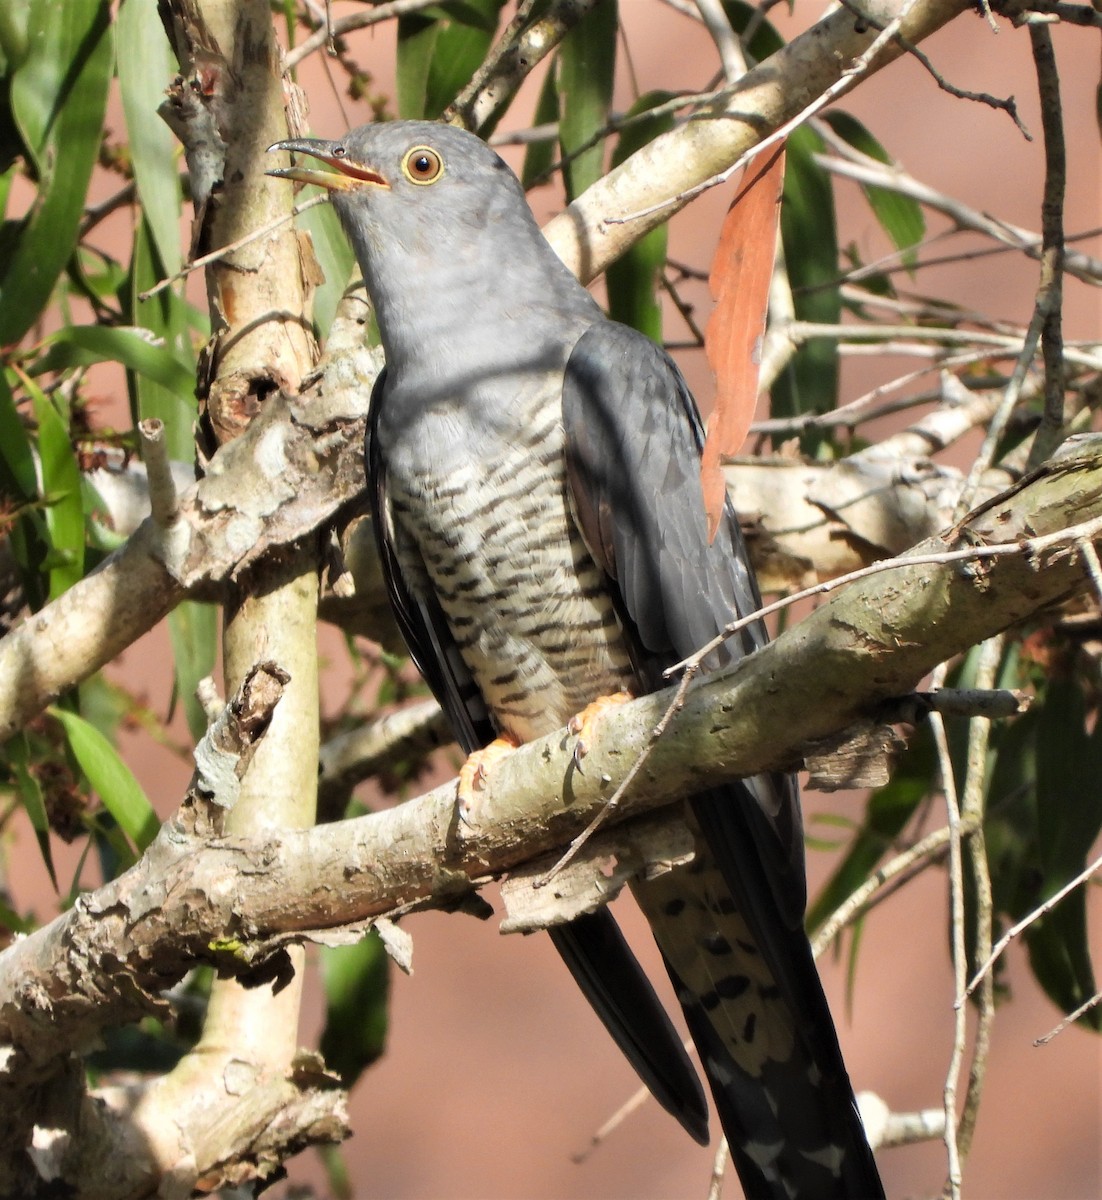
column 346, row 175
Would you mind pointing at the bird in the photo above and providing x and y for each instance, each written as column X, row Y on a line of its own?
column 534, row 474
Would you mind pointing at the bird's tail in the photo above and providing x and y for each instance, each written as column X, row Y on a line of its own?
column 755, row 1007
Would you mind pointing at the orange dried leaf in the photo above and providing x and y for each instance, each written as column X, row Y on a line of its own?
column 740, row 278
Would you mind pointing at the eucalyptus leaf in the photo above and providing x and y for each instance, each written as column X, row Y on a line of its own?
column 357, row 989
column 901, row 217
column 809, row 383
column 146, row 67
column 62, row 492
column 58, row 99
column 587, row 62
column 634, row 279
column 110, row 777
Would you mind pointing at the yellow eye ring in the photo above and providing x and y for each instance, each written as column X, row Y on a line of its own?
column 422, row 165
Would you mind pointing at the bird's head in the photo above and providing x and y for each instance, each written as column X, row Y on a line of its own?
column 428, row 189
column 440, row 226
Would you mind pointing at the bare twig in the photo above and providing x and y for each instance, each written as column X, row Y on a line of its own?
column 1094, row 567
column 847, row 79
column 972, row 811
column 1050, row 287
column 205, row 260
column 868, row 171
column 521, row 47
column 1030, row 547
column 328, row 32
column 727, row 44
column 1070, row 1019
column 960, row 975
column 719, row 1170
column 613, row 802
column 162, row 487
column 1021, row 926
column 929, row 849
column 631, row 1105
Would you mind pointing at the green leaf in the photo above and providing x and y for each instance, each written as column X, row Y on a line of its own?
column 27, row 537
column 808, row 231
column 417, row 35
column 146, row 67
column 900, row 217
column 335, row 257
column 540, row 156
column 438, row 52
column 633, row 280
column 162, row 385
column 357, row 986
column 138, row 349
column 193, row 628
column 886, row 814
column 62, row 492
column 14, row 18
column 1069, row 819
column 58, row 99
column 110, row 777
column 17, row 474
column 30, row 793
column 766, row 39
column 1069, row 808
column 587, row 62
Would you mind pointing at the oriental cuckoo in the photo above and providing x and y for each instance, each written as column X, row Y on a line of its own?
column 534, row 471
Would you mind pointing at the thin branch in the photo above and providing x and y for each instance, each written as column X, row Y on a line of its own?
column 664, row 174
column 928, row 849
column 1094, row 567
column 164, row 508
column 519, row 50
column 360, row 20
column 972, row 812
column 1006, row 104
column 1050, row 287
column 1029, row 547
column 719, row 1170
column 214, row 256
column 1021, row 926
column 1070, row 1019
column 1070, row 14
column 960, row 975
column 1012, row 395
column 727, row 44
column 868, row 171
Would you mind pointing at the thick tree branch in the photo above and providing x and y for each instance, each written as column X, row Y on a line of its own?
column 658, row 179
column 238, row 901
column 300, row 462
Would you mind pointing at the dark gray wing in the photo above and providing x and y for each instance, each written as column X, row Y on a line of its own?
column 633, row 446
column 592, row 947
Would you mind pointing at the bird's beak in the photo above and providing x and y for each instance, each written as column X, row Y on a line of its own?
column 346, row 175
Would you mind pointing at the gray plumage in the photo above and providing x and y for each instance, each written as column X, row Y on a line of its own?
column 535, row 472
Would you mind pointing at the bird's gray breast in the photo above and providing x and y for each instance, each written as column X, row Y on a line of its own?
column 480, row 515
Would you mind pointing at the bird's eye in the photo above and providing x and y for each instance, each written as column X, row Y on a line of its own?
column 422, row 165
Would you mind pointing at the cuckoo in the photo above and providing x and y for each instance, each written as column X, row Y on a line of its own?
column 534, row 472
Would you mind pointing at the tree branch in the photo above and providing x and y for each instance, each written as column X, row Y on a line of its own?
column 657, row 179
column 239, row 902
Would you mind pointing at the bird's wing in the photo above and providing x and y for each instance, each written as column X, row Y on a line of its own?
column 592, row 946
column 633, row 445
column 730, row 924
column 417, row 611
